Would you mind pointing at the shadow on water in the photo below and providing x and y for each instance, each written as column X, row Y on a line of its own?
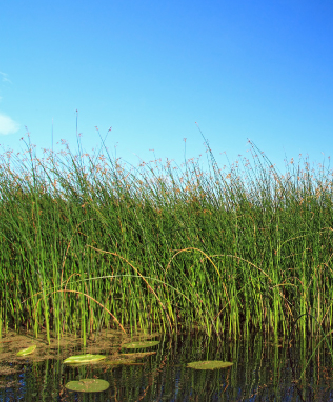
column 263, row 369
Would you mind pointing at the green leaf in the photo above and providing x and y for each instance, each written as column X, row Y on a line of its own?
column 133, row 345
column 137, row 355
column 88, row 385
column 84, row 359
column 209, row 365
column 26, row 351
column 119, row 361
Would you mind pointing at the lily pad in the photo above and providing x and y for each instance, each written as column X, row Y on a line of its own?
column 26, row 351
column 209, row 365
column 119, row 361
column 137, row 355
column 85, row 359
column 88, row 385
column 133, row 345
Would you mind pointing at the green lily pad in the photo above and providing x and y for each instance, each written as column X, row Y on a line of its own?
column 137, row 355
column 119, row 361
column 84, row 359
column 209, row 365
column 88, row 385
column 26, row 351
column 133, row 345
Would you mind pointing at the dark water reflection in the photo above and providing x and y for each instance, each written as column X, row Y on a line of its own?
column 262, row 370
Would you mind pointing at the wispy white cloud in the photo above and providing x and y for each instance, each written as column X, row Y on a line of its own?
column 5, row 77
column 7, row 125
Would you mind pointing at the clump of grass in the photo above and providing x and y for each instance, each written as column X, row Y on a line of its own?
column 92, row 244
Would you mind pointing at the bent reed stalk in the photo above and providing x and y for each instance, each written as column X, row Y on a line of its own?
column 86, row 247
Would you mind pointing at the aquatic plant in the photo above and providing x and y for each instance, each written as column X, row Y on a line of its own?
column 88, row 385
column 88, row 358
column 87, row 245
column 135, row 345
column 209, row 364
column 26, row 351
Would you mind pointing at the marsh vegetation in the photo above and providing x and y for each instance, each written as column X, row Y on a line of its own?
column 88, row 243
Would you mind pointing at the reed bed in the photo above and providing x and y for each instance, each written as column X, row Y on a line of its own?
column 87, row 243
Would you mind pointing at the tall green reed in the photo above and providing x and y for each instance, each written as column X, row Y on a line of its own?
column 86, row 245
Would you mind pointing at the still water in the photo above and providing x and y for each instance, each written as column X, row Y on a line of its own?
column 262, row 370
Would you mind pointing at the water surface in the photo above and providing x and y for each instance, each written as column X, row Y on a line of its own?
column 262, row 370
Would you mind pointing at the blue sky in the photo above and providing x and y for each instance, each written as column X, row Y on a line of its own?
column 258, row 70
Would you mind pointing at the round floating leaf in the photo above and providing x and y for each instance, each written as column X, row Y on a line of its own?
column 84, row 359
column 137, row 355
column 26, row 351
column 88, row 385
column 209, row 365
column 133, row 345
column 119, row 361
